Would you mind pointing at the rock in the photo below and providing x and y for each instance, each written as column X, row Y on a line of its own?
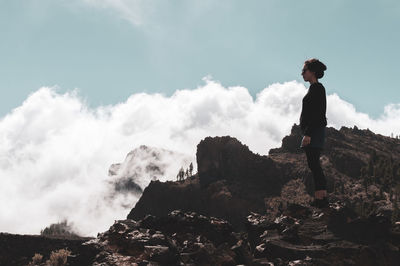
column 246, row 209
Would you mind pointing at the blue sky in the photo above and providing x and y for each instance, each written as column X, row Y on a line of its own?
column 110, row 50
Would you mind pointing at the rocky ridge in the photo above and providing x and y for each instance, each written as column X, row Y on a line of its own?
column 242, row 208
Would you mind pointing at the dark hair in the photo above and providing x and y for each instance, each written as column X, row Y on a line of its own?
column 316, row 66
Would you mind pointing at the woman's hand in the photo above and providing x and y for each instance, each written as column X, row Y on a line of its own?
column 306, row 141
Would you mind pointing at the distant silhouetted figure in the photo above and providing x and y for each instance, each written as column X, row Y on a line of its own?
column 313, row 125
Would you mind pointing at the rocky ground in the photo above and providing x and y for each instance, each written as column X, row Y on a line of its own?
column 300, row 235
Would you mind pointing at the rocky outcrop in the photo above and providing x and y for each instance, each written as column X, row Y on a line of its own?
column 179, row 238
column 226, row 158
column 231, row 182
column 332, row 236
column 299, row 234
column 216, row 200
column 248, row 209
column 347, row 149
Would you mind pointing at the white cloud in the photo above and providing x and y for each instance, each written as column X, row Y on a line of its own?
column 55, row 151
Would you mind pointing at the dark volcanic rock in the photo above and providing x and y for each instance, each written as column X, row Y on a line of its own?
column 231, row 182
column 300, row 235
column 230, row 176
column 348, row 225
column 216, row 200
column 180, row 238
column 242, row 208
column 226, row 158
column 312, row 237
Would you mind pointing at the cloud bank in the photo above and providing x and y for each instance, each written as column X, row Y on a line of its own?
column 55, row 151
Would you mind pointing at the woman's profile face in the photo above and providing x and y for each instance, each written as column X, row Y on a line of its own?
column 306, row 73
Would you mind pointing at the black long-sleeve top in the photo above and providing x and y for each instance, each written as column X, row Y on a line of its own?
column 313, row 112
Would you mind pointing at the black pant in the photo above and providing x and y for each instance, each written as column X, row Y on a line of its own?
column 314, row 164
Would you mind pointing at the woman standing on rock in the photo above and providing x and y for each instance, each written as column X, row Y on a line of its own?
column 313, row 123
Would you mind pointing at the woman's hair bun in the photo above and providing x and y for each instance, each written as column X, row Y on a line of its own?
column 316, row 66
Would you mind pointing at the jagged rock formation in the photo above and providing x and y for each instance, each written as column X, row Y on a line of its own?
column 244, row 208
column 231, row 181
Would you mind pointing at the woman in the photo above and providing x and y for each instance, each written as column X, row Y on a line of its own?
column 313, row 122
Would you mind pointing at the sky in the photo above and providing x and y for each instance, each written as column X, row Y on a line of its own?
column 84, row 82
column 112, row 49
